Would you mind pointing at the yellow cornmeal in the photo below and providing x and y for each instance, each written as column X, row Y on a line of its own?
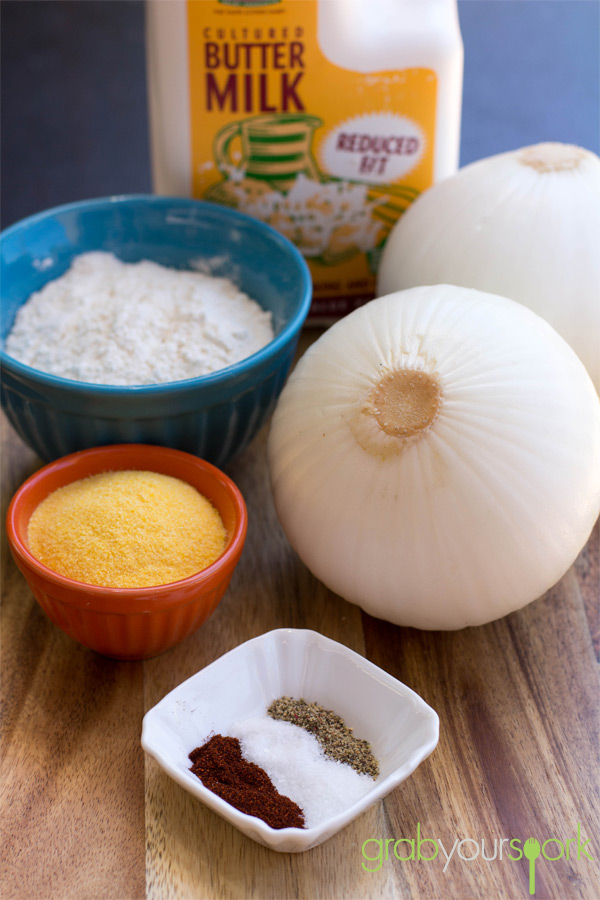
column 126, row 529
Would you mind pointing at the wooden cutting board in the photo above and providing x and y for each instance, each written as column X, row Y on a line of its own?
column 84, row 815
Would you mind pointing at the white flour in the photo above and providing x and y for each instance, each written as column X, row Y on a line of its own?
column 109, row 322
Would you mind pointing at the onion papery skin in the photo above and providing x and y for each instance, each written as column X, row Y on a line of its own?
column 516, row 226
column 476, row 516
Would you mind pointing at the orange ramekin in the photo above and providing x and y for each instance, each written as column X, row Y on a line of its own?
column 129, row 623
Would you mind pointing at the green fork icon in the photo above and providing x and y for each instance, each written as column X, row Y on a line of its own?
column 531, row 849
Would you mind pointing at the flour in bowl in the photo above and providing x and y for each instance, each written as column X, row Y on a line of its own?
column 109, row 322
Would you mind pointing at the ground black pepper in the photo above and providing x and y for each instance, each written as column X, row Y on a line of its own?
column 221, row 768
column 334, row 736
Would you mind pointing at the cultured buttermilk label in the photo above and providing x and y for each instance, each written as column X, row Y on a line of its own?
column 328, row 156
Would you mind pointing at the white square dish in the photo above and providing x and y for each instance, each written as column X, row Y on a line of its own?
column 401, row 728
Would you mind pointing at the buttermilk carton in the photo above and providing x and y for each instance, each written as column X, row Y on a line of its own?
column 323, row 118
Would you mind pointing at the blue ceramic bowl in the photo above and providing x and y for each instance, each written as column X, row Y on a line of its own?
column 214, row 416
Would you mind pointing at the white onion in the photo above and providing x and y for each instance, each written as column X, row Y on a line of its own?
column 450, row 495
column 525, row 225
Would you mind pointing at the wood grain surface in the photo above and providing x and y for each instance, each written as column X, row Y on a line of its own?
column 84, row 815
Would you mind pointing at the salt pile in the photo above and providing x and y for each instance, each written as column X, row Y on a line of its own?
column 297, row 766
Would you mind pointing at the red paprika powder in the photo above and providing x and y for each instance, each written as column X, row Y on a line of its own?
column 222, row 769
